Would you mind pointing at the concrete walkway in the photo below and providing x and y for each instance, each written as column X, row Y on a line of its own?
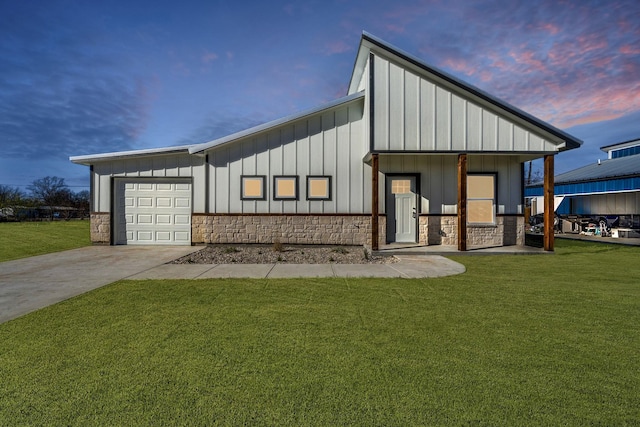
column 30, row 284
column 409, row 267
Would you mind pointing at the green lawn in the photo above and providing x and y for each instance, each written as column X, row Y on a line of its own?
column 25, row 239
column 517, row 340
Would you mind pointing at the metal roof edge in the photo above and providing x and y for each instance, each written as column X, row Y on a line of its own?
column 603, row 148
column 198, row 148
column 572, row 142
column 89, row 158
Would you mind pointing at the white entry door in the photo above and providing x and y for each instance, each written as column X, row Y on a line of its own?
column 152, row 211
column 402, row 216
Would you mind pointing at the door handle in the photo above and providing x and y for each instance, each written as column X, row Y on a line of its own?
column 414, row 212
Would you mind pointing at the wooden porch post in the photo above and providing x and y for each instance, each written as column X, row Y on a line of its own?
column 462, row 202
column 374, row 202
column 549, row 214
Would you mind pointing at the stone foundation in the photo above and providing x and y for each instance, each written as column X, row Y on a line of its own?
column 305, row 229
column 443, row 230
column 100, row 228
column 328, row 230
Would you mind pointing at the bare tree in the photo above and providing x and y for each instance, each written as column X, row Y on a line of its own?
column 82, row 202
column 10, row 199
column 533, row 176
column 50, row 191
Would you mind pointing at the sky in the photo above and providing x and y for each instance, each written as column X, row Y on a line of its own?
column 93, row 76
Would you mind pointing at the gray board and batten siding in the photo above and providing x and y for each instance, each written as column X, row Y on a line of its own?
column 330, row 142
column 412, row 113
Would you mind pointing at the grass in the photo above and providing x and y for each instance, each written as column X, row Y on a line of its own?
column 517, row 340
column 25, row 239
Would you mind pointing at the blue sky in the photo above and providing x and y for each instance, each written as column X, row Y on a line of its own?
column 84, row 77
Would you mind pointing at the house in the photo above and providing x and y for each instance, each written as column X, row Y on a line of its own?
column 605, row 188
column 410, row 154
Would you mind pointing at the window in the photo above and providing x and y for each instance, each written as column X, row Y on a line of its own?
column 481, row 205
column 318, row 188
column 400, row 186
column 285, row 188
column 252, row 187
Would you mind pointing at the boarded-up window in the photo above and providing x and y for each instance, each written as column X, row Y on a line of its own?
column 318, row 188
column 481, row 204
column 285, row 188
column 252, row 187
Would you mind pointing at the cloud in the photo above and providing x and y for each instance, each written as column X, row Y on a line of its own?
column 336, row 47
column 208, row 57
column 60, row 96
column 220, row 125
column 567, row 63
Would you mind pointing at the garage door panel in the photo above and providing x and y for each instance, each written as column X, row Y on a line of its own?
column 153, row 212
column 182, row 202
column 182, row 237
column 182, row 219
column 164, row 202
column 145, row 201
column 145, row 219
column 163, row 236
column 163, row 219
column 145, row 236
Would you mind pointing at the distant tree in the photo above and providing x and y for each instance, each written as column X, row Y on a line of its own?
column 10, row 199
column 81, row 201
column 50, row 191
column 533, row 176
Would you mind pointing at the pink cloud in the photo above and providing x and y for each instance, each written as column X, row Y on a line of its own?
column 528, row 58
column 550, row 28
column 336, row 47
column 460, row 65
column 629, row 50
column 208, row 57
column 392, row 28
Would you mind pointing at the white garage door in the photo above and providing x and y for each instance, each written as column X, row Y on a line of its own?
column 152, row 212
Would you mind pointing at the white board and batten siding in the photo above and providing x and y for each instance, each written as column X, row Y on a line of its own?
column 329, row 143
column 152, row 211
column 413, row 112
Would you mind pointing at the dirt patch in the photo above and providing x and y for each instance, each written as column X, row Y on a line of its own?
column 263, row 254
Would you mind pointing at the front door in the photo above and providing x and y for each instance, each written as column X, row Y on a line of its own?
column 402, row 215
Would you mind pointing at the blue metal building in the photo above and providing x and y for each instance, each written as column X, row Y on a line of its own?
column 606, row 188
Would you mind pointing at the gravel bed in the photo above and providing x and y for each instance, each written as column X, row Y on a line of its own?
column 291, row 254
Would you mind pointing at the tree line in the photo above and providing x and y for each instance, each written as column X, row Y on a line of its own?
column 45, row 198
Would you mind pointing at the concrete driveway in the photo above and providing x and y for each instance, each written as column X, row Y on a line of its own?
column 29, row 284
column 32, row 283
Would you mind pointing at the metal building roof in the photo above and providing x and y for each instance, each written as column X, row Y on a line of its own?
column 605, row 169
column 92, row 158
column 610, row 146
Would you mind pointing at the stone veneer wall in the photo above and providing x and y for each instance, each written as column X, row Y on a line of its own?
column 100, row 227
column 443, row 230
column 293, row 229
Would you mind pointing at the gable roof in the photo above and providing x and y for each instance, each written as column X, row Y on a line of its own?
column 370, row 43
